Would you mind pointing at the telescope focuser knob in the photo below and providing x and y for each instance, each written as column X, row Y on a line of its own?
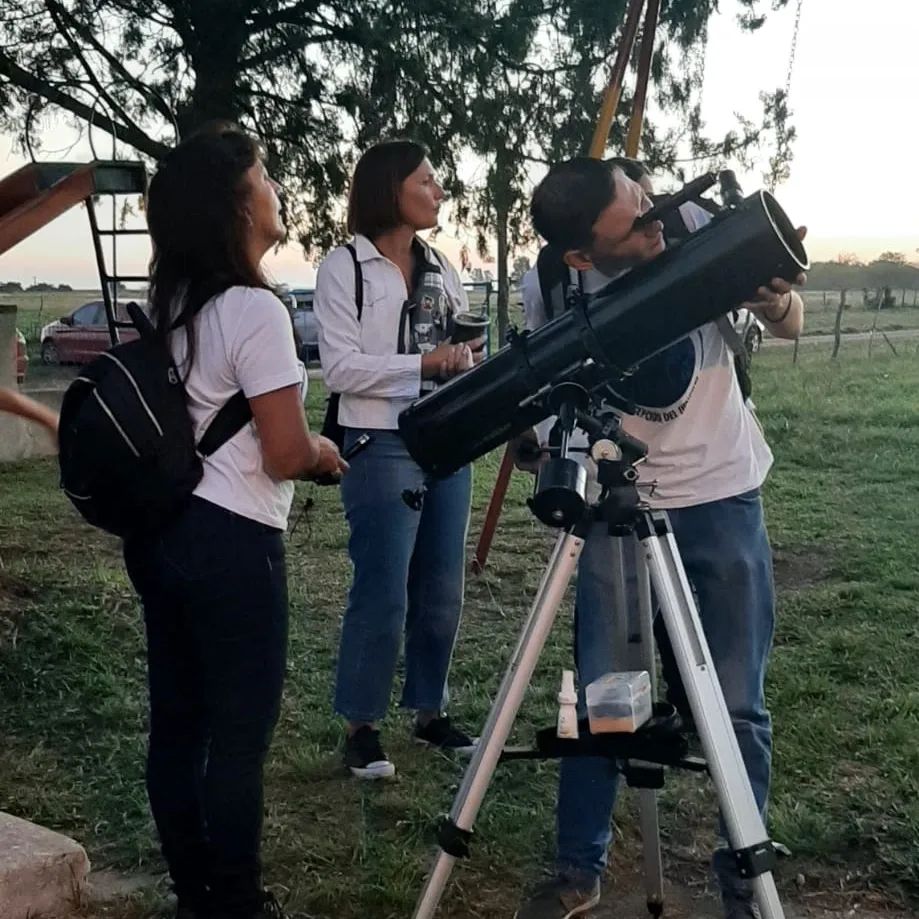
column 605, row 449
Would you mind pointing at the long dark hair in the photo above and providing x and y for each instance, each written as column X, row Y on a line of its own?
column 373, row 202
column 197, row 222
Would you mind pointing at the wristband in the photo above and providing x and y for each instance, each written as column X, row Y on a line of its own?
column 786, row 311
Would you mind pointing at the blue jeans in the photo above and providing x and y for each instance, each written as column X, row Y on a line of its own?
column 726, row 554
column 409, row 567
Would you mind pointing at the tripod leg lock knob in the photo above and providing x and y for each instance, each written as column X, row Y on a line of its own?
column 755, row 860
column 453, row 840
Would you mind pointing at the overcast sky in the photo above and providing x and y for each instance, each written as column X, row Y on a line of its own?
column 853, row 95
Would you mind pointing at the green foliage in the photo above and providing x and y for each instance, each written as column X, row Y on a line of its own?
column 513, row 81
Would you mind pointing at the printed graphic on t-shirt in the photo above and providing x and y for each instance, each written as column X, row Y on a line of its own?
column 661, row 386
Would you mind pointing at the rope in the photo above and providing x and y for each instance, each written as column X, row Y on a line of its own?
column 794, row 48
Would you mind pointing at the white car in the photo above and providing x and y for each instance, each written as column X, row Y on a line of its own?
column 300, row 303
column 749, row 328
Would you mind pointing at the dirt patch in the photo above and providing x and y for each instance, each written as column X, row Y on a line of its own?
column 800, row 567
column 120, row 896
column 698, row 901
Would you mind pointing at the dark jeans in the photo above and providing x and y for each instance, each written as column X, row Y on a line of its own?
column 214, row 592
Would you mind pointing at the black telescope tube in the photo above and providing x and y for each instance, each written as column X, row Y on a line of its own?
column 632, row 318
column 688, row 192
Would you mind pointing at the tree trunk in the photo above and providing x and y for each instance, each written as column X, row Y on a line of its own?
column 215, row 54
column 501, row 218
column 837, row 333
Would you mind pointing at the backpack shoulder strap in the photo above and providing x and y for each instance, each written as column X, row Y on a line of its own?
column 731, row 338
column 440, row 258
column 141, row 320
column 555, row 277
column 358, row 281
column 233, row 416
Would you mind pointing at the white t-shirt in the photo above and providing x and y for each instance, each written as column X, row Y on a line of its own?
column 243, row 341
column 704, row 442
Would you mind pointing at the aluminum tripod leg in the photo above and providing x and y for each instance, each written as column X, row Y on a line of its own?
column 558, row 574
column 641, row 647
column 745, row 828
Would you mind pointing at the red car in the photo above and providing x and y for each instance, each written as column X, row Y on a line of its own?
column 80, row 336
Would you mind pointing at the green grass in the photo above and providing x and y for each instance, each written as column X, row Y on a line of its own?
column 844, row 688
column 842, row 506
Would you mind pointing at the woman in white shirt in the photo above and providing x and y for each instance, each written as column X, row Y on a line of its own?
column 384, row 304
column 213, row 582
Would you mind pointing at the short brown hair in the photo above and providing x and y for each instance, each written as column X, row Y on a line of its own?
column 373, row 202
column 570, row 198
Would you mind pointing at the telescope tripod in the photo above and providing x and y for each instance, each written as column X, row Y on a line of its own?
column 560, row 499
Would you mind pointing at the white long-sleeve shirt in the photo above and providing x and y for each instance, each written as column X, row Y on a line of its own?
column 360, row 357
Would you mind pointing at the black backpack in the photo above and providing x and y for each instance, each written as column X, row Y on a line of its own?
column 128, row 458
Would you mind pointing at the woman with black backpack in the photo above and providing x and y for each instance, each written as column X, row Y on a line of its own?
column 385, row 305
column 213, row 581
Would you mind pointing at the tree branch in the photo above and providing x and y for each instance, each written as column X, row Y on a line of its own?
column 57, row 9
column 269, row 55
column 59, row 15
column 290, row 15
column 129, row 133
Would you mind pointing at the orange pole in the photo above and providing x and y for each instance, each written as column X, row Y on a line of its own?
column 614, row 90
column 597, row 149
column 494, row 511
column 644, row 73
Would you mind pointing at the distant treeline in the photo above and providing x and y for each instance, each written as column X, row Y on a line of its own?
column 896, row 274
column 14, row 287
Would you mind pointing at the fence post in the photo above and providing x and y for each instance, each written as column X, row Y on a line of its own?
column 837, row 333
column 874, row 324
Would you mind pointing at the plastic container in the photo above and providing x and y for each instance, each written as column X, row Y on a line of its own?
column 619, row 702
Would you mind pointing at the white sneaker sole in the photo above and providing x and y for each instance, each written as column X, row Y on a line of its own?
column 584, row 907
column 578, row 910
column 382, row 769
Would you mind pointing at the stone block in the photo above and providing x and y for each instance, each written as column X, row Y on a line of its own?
column 42, row 873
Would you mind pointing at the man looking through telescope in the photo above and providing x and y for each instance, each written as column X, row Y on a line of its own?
column 707, row 459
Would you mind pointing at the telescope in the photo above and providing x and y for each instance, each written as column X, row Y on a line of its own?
column 604, row 337
column 688, row 192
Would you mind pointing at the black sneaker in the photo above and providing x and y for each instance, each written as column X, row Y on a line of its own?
column 438, row 732
column 266, row 906
column 365, row 757
column 736, row 893
column 197, row 907
column 561, row 897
